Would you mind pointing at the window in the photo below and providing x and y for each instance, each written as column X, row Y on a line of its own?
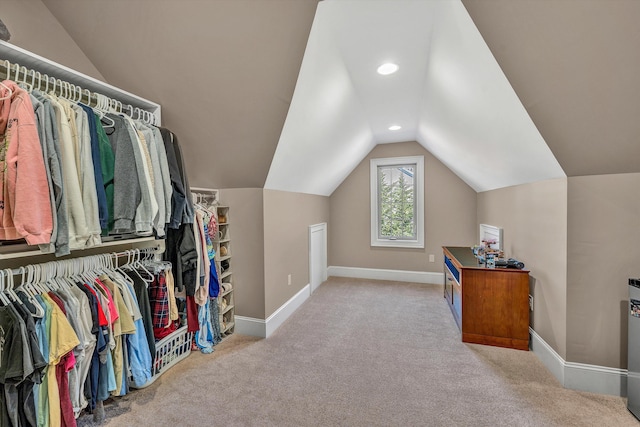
column 397, row 202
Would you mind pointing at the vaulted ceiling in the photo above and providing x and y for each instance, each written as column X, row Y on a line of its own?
column 448, row 94
column 554, row 89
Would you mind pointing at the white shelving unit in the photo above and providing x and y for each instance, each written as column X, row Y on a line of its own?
column 226, row 302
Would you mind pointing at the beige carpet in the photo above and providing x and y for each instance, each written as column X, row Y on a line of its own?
column 363, row 353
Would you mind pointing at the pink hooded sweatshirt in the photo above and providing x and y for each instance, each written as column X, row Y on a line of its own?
column 25, row 207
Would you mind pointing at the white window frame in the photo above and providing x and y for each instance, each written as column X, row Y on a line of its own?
column 419, row 200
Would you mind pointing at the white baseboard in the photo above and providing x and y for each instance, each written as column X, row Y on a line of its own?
column 265, row 328
column 274, row 321
column 579, row 376
column 547, row 355
column 250, row 326
column 382, row 274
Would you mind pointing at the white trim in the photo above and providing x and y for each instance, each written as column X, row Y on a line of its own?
column 265, row 328
column 579, row 376
column 418, row 182
column 321, row 227
column 16, row 54
column 547, row 355
column 278, row 317
column 595, row 379
column 250, row 326
column 381, row 274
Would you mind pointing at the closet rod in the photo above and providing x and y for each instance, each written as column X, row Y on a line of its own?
column 152, row 250
column 30, row 77
column 201, row 194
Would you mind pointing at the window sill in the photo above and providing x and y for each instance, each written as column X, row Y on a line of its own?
column 411, row 244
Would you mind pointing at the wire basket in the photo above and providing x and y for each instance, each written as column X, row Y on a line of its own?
column 169, row 351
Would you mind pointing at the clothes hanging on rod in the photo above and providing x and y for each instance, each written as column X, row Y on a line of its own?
column 181, row 250
column 33, row 79
column 206, row 296
column 25, row 209
column 86, row 171
column 89, row 343
column 92, row 319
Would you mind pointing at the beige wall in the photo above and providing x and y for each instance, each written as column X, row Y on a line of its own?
column 287, row 217
column 450, row 216
column 35, row 29
column 534, row 221
column 604, row 251
column 559, row 56
column 246, row 229
column 270, row 240
column 224, row 72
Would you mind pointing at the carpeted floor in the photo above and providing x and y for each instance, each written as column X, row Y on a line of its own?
column 363, row 353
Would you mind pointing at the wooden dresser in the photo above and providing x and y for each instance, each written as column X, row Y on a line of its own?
column 490, row 305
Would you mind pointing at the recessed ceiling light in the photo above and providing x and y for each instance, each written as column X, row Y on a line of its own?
column 387, row 68
column 395, row 127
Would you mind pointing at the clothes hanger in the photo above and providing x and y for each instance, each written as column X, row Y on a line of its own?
column 138, row 264
column 58, row 273
column 114, row 271
column 52, row 283
column 77, row 91
column 17, row 67
column 32, row 73
column 9, row 287
column 107, row 122
column 113, row 264
column 101, row 109
column 46, row 80
column 31, row 283
column 23, row 289
column 9, row 92
column 46, row 276
column 130, row 108
column 73, row 93
column 27, row 281
column 22, row 81
column 24, row 286
column 3, row 298
column 79, row 273
column 37, row 75
column 64, row 89
column 67, row 90
column 7, row 66
column 53, row 86
column 147, row 259
column 87, row 93
column 132, row 267
column 95, row 267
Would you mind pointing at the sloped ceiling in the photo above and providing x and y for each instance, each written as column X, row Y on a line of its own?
column 449, row 95
column 225, row 72
column 575, row 66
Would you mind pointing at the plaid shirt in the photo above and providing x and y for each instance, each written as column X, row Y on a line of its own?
column 159, row 301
